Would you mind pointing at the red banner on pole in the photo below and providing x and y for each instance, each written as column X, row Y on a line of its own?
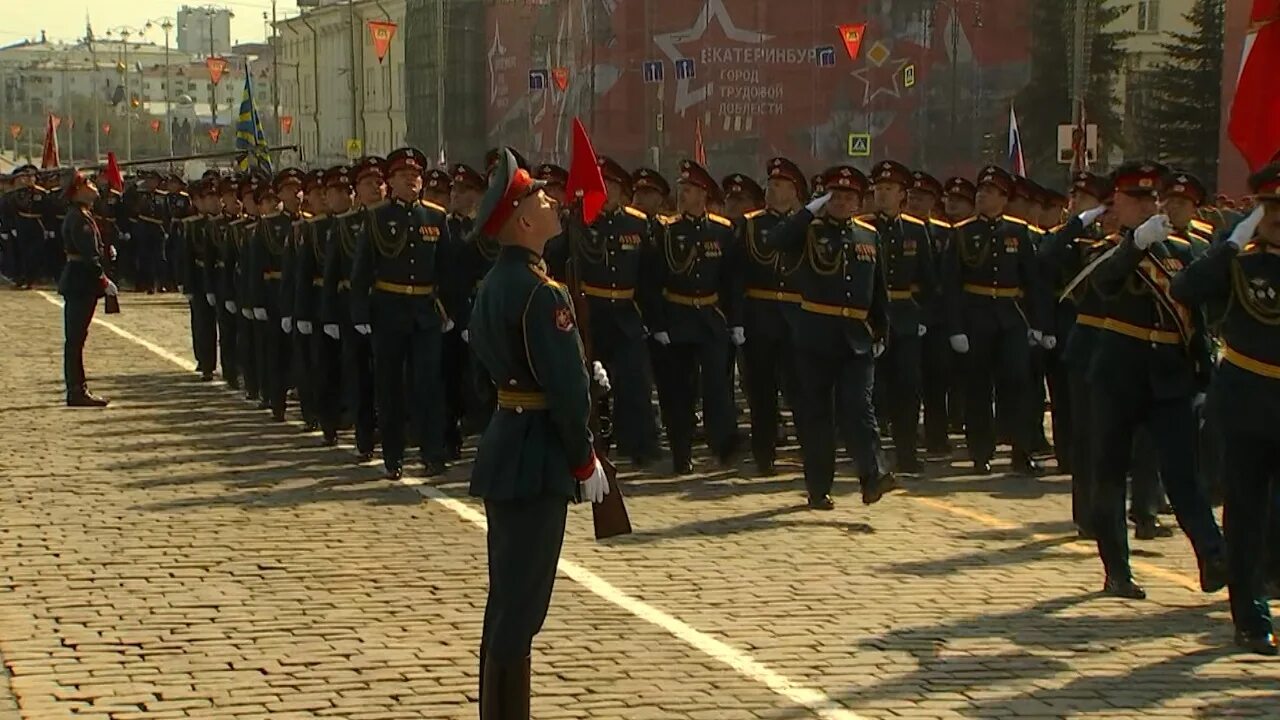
column 852, row 37
column 560, row 76
column 217, row 66
column 286, row 123
column 214, row 134
column 15, row 130
column 106, row 128
column 381, row 31
column 155, row 126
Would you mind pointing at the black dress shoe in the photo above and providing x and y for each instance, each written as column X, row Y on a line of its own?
column 435, row 468
column 681, row 467
column 1084, row 533
column 765, row 468
column 330, row 440
column 1028, row 466
column 250, row 396
column 1126, row 588
column 1214, row 574
column 728, row 455
column 394, row 472
column 206, row 377
column 1259, row 643
column 455, row 452
column 311, row 426
column 364, row 457
column 263, row 404
column 982, row 467
column 277, row 415
column 86, row 399
column 233, row 383
column 878, row 488
column 823, row 502
column 1150, row 529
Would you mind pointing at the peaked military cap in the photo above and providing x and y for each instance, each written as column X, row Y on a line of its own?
column 509, row 185
column 1139, row 178
column 960, row 187
column 1265, row 184
column 996, row 177
column 648, row 179
column 1027, row 189
column 611, row 170
column 289, row 175
column 1186, row 185
column 780, row 167
column 844, row 177
column 76, row 181
column 694, row 174
column 369, row 166
column 552, row 174
column 924, row 182
column 492, row 157
column 739, row 184
column 25, row 169
column 406, row 158
column 437, row 180
column 339, row 176
column 1090, row 184
column 464, row 174
column 314, row 180
column 891, row 171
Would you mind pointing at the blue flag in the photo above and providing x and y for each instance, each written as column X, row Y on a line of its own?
column 249, row 135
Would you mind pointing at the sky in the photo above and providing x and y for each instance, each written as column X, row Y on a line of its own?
column 64, row 19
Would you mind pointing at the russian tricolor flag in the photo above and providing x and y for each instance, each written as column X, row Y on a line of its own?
column 1017, row 163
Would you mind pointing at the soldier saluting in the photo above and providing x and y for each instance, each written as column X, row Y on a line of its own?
column 536, row 454
column 81, row 284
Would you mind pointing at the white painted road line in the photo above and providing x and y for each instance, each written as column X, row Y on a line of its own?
column 740, row 662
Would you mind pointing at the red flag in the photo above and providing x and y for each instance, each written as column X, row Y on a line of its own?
column 114, row 178
column 585, row 180
column 216, row 66
column 155, row 126
column 50, row 158
column 1252, row 126
column 852, row 37
column 560, row 75
column 699, row 150
column 286, row 123
column 381, row 31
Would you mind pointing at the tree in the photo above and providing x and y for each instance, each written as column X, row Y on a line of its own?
column 1180, row 123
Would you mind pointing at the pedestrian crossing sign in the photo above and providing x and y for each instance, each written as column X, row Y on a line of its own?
column 859, row 144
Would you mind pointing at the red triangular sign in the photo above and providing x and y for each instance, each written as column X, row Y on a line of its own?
column 286, row 123
column 381, row 31
column 106, row 128
column 214, row 134
column 217, row 66
column 852, row 37
column 560, row 76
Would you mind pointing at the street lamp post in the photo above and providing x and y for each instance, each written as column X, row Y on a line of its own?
column 167, row 25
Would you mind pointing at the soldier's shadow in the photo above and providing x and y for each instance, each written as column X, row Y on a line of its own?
column 759, row 521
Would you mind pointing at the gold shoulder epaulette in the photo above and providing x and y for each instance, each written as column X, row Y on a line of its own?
column 966, row 221
column 432, row 206
column 348, row 213
column 183, row 193
column 544, row 277
column 668, row 219
column 1202, row 226
column 940, row 223
column 753, row 214
column 192, row 218
column 1252, row 246
column 1013, row 219
column 634, row 212
column 864, row 224
column 911, row 219
column 720, row 219
column 1056, row 228
column 1179, row 240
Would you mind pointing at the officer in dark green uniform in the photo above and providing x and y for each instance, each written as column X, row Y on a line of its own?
column 771, row 296
column 1244, row 277
column 692, row 301
column 993, row 289
column 536, row 455
column 437, row 187
column 197, row 255
column 400, row 259
column 81, row 284
column 1151, row 361
column 301, row 277
column 272, row 307
column 28, row 226
column 320, row 373
column 923, row 200
column 838, row 333
column 358, row 389
column 470, row 402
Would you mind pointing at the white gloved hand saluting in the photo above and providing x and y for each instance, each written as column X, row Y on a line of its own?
column 596, row 487
column 817, row 203
column 738, row 335
column 1090, row 216
column 960, row 343
column 1244, row 231
column 332, row 330
column 304, row 327
column 1154, row 230
column 364, row 329
column 260, row 314
column 600, row 376
column 662, row 338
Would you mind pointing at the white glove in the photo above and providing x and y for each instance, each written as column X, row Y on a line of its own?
column 286, row 324
column 111, row 252
column 1034, row 337
column 364, row 329
column 877, row 348
column 126, row 236
column 1154, row 230
column 1090, row 216
column 921, row 330
column 304, row 327
column 466, row 336
column 595, row 487
column 111, row 288
column 260, row 314
column 1048, row 342
column 817, row 203
column 448, row 325
column 48, row 234
column 331, row 329
column 211, row 299
column 1197, row 402
column 1243, row 232
column 960, row 343
column 737, row 334
column 600, row 376
column 662, row 338
column 230, row 305
column 247, row 313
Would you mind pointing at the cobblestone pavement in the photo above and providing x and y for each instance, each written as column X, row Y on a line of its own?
column 179, row 555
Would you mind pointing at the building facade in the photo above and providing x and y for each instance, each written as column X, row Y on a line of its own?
column 204, row 30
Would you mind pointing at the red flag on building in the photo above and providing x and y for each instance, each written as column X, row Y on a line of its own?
column 699, row 149
column 49, row 160
column 1253, row 126
column 381, row 31
column 585, row 180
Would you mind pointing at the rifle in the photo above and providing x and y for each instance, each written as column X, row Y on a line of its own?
column 609, row 516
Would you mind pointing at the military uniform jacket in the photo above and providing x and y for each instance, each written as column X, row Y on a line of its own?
column 991, row 278
column 269, row 241
column 289, row 274
column 1064, row 252
column 940, row 232
column 219, row 269
column 309, row 260
column 1246, row 284
column 771, row 294
column 470, row 260
column 609, row 257
column 54, row 209
column 525, row 337
column 242, row 231
column 197, row 255
column 28, row 207
column 399, row 261
column 82, row 275
column 691, row 292
column 1146, row 334
column 911, row 277
column 340, row 252
column 844, row 300
column 147, row 215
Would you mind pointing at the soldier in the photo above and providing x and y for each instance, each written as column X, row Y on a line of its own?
column 178, row 207
column 1181, row 197
column 923, row 198
column 555, row 179
column 320, row 370
column 272, row 307
column 54, row 211
column 771, row 298
column 223, row 208
column 298, row 283
column 959, row 199
column 197, row 256
column 838, row 333
column 81, row 284
column 28, row 227
column 250, row 335
column 394, row 299
column 994, row 293
column 437, row 187
column 741, row 196
column 692, row 303
column 147, row 207
column 651, row 191
column 105, row 212
column 536, row 455
column 359, row 391
column 1150, row 364
column 470, row 401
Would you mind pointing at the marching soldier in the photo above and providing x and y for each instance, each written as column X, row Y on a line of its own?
column 269, row 254
column 838, row 333
column 470, row 401
column 995, row 297
column 178, row 207
column 359, row 391
column 771, row 297
column 223, row 209
column 197, row 255
column 536, row 455
column 936, row 377
column 54, row 209
column 250, row 336
column 28, row 226
column 692, row 304
column 106, row 212
column 911, row 277
column 1150, row 364
column 81, row 284
column 959, row 199
column 321, row 371
column 1242, row 275
column 395, row 300
column 304, row 212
